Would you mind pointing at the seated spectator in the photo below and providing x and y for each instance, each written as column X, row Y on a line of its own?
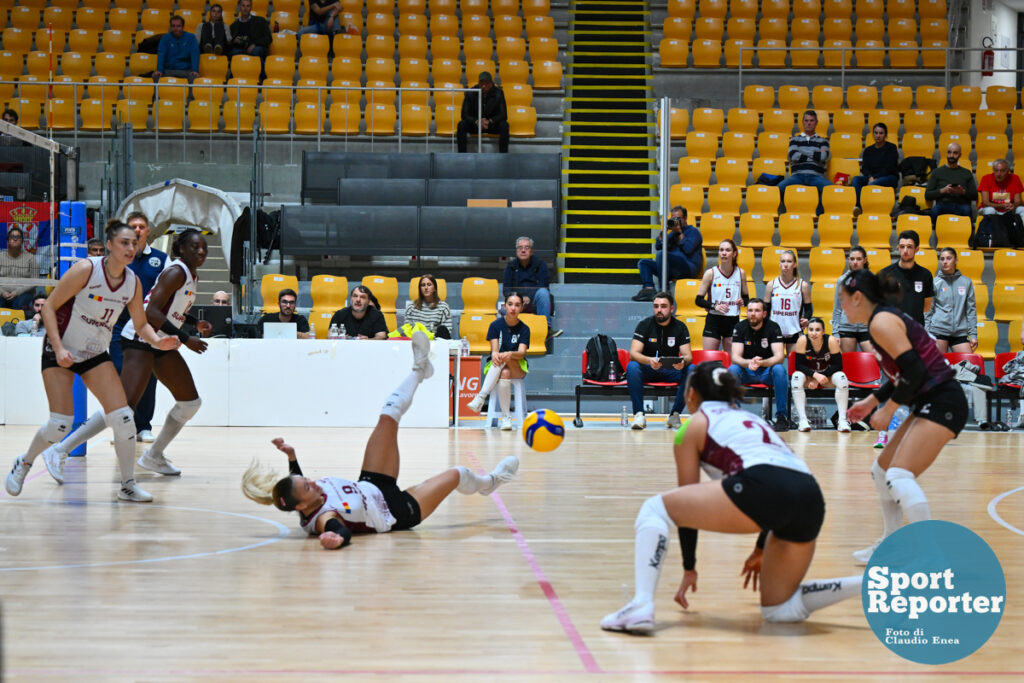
column 16, row 262
column 221, row 298
column 510, row 338
column 759, row 357
column 808, row 159
column 286, row 300
column 250, row 34
column 953, row 317
column 683, row 250
column 33, row 326
column 951, row 187
column 428, row 309
column 1000, row 191
column 11, row 117
column 95, row 247
column 324, row 18
column 879, row 164
column 214, row 36
column 662, row 335
column 178, row 54
column 819, row 365
column 493, row 114
column 361, row 319
column 529, row 276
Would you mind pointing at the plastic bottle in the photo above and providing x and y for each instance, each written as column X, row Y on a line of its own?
column 312, row 331
column 624, row 421
column 465, row 347
column 611, row 372
column 332, row 332
column 35, row 327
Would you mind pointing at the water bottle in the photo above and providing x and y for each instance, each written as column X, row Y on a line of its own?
column 624, row 420
column 35, row 327
column 465, row 347
column 312, row 331
column 611, row 372
column 332, row 332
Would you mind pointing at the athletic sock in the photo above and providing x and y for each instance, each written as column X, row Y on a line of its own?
column 55, row 429
column 892, row 515
column 505, row 395
column 490, row 379
column 470, row 482
column 122, row 423
column 799, row 394
column 825, row 592
column 87, row 430
column 177, row 417
column 401, row 398
column 650, row 547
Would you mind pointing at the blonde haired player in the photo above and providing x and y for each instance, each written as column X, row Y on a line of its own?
column 333, row 508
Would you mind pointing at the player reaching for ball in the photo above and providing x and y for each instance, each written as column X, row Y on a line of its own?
column 334, row 508
column 764, row 487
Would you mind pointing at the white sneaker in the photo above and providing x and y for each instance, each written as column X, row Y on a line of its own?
column 633, row 618
column 477, row 404
column 54, row 461
column 804, row 425
column 16, row 478
column 639, row 421
column 673, row 421
column 157, row 462
column 506, row 423
column 421, row 354
column 864, row 556
column 843, row 426
column 502, row 474
column 145, row 436
column 130, row 491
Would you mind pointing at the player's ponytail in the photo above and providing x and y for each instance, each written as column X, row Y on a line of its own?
column 258, row 485
column 875, row 289
column 713, row 382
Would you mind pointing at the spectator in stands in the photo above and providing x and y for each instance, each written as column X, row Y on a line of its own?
column 684, row 255
column 428, row 309
column 361, row 319
column 660, row 336
column 214, row 36
column 491, row 109
column 879, row 163
column 178, row 54
column 250, row 34
column 808, row 158
column 759, row 357
column 324, row 18
column 221, row 298
column 1001, row 191
column 95, row 247
column 851, row 334
column 11, row 117
column 529, row 276
column 286, row 301
column 16, row 262
column 33, row 325
column 953, row 316
column 916, row 283
column 952, row 187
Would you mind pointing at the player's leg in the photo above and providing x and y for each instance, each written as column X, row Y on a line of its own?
column 511, row 371
column 797, row 382
column 57, row 382
column 785, row 597
column 173, row 372
column 431, row 492
column 492, row 375
column 842, row 385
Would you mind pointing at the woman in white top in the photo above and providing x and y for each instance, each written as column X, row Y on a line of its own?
column 764, row 487
column 79, row 317
column 167, row 306
column 789, row 299
column 333, row 508
column 429, row 309
column 727, row 285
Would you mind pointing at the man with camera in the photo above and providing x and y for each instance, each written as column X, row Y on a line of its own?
column 250, row 34
column 952, row 187
column 683, row 250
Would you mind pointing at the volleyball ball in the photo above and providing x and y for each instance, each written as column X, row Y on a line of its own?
column 543, row 430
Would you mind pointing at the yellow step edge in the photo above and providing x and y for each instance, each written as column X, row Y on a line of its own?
column 612, row 135
column 608, row 257
column 594, row 76
column 602, row 271
column 608, row 160
column 610, row 226
column 623, row 124
column 612, row 186
column 566, row 171
column 588, row 212
column 612, row 54
column 593, row 198
column 617, row 99
column 639, row 148
column 610, row 240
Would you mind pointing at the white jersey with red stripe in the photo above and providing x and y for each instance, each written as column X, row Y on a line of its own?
column 738, row 440
column 177, row 307
column 786, row 302
column 86, row 321
column 360, row 505
column 726, row 290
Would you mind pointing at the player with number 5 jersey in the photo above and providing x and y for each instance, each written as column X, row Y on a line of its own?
column 722, row 290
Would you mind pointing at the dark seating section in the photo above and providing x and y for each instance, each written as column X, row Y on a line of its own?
column 322, row 170
column 455, row 165
column 441, row 192
column 485, row 232
column 382, row 192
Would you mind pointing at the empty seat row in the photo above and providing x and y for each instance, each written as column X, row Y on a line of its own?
column 894, row 9
column 805, row 28
column 899, row 98
column 807, row 54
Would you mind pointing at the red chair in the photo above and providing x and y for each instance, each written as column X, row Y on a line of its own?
column 623, row 361
column 1005, row 390
column 604, row 388
column 975, row 358
column 704, row 356
column 862, row 370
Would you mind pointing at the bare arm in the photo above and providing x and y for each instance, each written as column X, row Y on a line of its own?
column 67, row 287
column 636, row 353
column 142, row 327
column 737, row 355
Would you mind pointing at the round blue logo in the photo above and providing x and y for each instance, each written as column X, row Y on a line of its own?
column 934, row 592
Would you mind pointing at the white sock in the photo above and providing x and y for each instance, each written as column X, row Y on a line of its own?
column 122, row 423
column 818, row 594
column 842, row 384
column 796, row 385
column 470, row 482
column 177, row 416
column 651, row 546
column 505, row 395
column 55, row 429
column 401, row 398
column 87, row 430
column 892, row 516
column 905, row 490
column 490, row 379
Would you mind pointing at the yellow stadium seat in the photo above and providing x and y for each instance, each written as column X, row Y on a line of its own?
column 769, row 165
column 904, row 9
column 796, row 229
column 834, row 51
column 804, row 28
column 474, row 67
column 801, row 199
column 708, row 120
column 246, row 66
column 771, row 53
column 921, row 224
column 757, row 229
column 837, row 8
column 134, row 112
column 919, row 121
column 963, row 139
column 479, row 296
column 215, row 66
column 828, row 97
column 903, row 54
column 169, row 115
column 169, row 88
column 763, row 199
column 826, row 263
column 702, row 144
column 25, row 18
column 346, row 45
column 686, row 298
column 732, row 49
column 770, row 260
column 102, row 88
column 156, row 20
column 239, row 116
column 309, row 118
column 1006, row 301
column 316, row 67
column 271, row 285
column 329, row 292
column 412, row 45
column 380, row 24
column 203, row 117
column 59, row 114
column 870, row 28
column 695, row 171
column 918, row 145
column 84, row 41
column 877, row 199
column 746, row 9
column 732, row 170
column 124, row 20
column 412, row 24
column 846, row 145
column 380, row 119
column 677, row 27
column 849, row 121
column 837, row 28
column 952, row 231
column 284, row 44
column 690, row 197
column 522, row 121
column 758, row 97
column 508, row 25
column 311, row 90
column 997, row 97
column 707, row 53
column 674, row 52
column 474, row 328
column 933, row 54
column 344, row 118
column 725, row 198
column 896, row 97
column 839, row 199
column 538, row 25
column 717, row 226
column 1008, row 265
column 874, row 231
column 988, row 121
column 738, row 145
column 501, row 8
column 741, row 120
column 773, row 28
column 76, row 65
column 11, row 315
column 774, row 145
column 536, row 7
column 779, row 121
column 870, row 54
column 870, row 8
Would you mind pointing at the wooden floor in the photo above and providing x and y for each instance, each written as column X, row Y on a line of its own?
column 204, row 584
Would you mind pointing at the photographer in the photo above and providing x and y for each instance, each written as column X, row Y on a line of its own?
column 250, row 33
column 684, row 257
column 952, row 187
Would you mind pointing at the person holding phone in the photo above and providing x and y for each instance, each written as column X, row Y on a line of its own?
column 657, row 341
column 952, row 188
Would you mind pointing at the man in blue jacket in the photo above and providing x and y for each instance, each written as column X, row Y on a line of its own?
column 529, row 276
column 178, row 54
column 683, row 249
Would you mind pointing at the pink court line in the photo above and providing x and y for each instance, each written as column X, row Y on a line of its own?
column 582, row 651
column 36, row 475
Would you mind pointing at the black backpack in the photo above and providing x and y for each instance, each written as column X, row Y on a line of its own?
column 999, row 230
column 915, row 170
column 603, row 360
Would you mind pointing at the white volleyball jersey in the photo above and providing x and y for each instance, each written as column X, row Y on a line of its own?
column 360, row 505
column 786, row 302
column 177, row 307
column 86, row 321
column 738, row 440
column 726, row 290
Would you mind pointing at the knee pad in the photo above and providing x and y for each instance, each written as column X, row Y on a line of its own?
column 903, row 487
column 653, row 515
column 840, row 381
column 183, row 411
column 789, row 611
column 878, row 478
column 796, row 381
column 57, row 427
column 122, row 423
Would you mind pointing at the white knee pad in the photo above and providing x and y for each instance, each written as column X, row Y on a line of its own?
column 122, row 423
column 840, row 381
column 183, row 411
column 57, row 427
column 797, row 380
column 653, row 515
column 903, row 487
column 791, row 610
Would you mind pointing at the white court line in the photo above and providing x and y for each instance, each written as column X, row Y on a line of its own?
column 282, row 531
column 995, row 515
